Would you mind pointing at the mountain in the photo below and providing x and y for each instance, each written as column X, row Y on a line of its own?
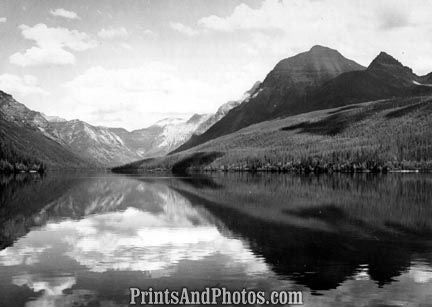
column 115, row 146
column 53, row 119
column 97, row 144
column 282, row 91
column 225, row 108
column 13, row 111
column 316, row 80
column 24, row 142
column 87, row 144
column 385, row 77
column 308, row 70
column 164, row 136
column 427, row 80
column 393, row 133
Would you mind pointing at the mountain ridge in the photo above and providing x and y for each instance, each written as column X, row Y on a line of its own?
column 283, row 90
column 97, row 145
column 385, row 77
column 318, row 79
column 373, row 136
column 25, row 145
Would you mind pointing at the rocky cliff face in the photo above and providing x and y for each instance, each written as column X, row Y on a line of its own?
column 25, row 143
column 19, row 114
column 98, row 144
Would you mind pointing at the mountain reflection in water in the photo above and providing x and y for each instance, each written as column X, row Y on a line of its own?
column 76, row 240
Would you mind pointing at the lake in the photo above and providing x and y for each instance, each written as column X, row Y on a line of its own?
column 344, row 240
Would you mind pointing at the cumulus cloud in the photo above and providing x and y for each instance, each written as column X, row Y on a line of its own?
column 149, row 33
column 285, row 15
column 53, row 46
column 155, row 238
column 176, row 232
column 60, row 12
column 3, row 19
column 181, row 28
column 360, row 31
column 21, row 86
column 113, row 33
column 137, row 96
column 38, row 56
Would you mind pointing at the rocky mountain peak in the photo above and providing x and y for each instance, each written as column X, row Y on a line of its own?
column 18, row 113
column 385, row 62
column 53, row 119
column 195, row 118
column 318, row 49
column 310, row 68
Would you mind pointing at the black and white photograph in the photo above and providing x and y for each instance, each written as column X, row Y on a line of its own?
column 215, row 152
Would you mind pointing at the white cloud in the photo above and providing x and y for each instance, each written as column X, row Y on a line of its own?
column 134, row 240
column 39, row 56
column 131, row 97
column 126, row 46
column 21, row 86
column 286, row 27
column 52, row 288
column 53, row 46
column 295, row 15
column 155, row 238
column 181, row 28
column 113, row 33
column 150, row 33
column 3, row 19
column 60, row 12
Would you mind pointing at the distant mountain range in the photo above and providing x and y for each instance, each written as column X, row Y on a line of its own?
column 318, row 79
column 78, row 144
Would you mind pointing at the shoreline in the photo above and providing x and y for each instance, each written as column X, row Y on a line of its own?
column 278, row 171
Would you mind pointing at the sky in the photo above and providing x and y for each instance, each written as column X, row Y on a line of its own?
column 130, row 63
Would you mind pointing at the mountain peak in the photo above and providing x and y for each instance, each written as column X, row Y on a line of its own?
column 384, row 61
column 5, row 95
column 53, row 119
column 169, row 121
column 321, row 49
column 194, row 118
column 309, row 69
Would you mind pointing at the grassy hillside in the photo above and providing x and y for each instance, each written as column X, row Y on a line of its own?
column 385, row 134
column 23, row 149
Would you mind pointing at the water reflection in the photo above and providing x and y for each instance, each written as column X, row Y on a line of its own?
column 343, row 240
column 320, row 230
column 104, row 228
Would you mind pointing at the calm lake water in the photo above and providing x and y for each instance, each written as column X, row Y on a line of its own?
column 83, row 240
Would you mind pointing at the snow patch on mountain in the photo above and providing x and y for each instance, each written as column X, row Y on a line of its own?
column 53, row 119
column 115, row 146
column 169, row 121
column 421, row 84
column 178, row 132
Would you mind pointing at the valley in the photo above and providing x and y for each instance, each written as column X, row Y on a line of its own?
column 383, row 135
column 314, row 112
